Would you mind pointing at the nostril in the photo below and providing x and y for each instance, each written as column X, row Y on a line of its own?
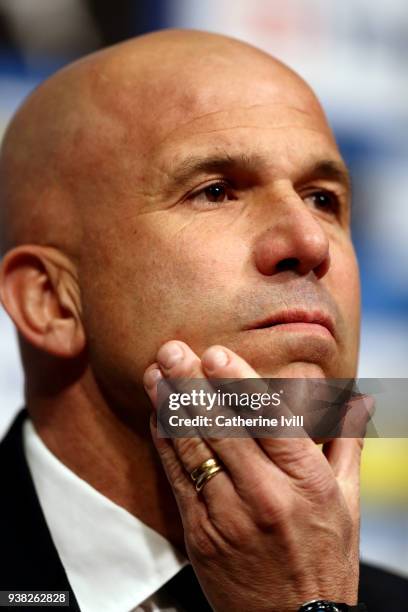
column 290, row 263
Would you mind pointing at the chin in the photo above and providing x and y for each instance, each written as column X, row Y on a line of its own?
column 299, row 370
column 294, row 355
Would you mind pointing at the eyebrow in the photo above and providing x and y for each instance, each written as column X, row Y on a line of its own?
column 194, row 165
column 198, row 164
column 331, row 170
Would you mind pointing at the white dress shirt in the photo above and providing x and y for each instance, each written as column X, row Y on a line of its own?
column 114, row 562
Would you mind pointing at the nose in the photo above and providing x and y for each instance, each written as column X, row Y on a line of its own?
column 297, row 241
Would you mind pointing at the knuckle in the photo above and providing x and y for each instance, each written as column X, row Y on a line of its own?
column 188, row 448
column 271, row 509
column 200, row 542
column 321, row 487
column 295, row 456
column 298, row 459
column 328, row 490
column 360, row 442
column 184, row 374
column 178, row 483
column 237, row 531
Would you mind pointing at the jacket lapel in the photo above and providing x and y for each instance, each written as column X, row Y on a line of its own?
column 29, row 558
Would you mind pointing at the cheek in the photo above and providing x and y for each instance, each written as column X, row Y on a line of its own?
column 190, row 267
column 344, row 283
column 164, row 286
column 199, row 281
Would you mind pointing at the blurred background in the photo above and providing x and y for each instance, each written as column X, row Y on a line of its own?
column 355, row 56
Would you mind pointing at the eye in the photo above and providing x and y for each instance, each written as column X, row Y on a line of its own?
column 216, row 193
column 324, row 200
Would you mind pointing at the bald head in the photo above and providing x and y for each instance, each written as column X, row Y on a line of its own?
column 76, row 128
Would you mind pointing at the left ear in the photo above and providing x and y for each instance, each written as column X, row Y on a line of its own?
column 39, row 289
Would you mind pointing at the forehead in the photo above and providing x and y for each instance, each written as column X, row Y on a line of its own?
column 223, row 103
column 234, row 122
column 286, row 135
column 213, row 102
column 164, row 91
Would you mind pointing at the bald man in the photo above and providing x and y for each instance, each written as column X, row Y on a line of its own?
column 176, row 207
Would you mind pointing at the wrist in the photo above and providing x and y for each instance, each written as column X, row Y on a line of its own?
column 320, row 605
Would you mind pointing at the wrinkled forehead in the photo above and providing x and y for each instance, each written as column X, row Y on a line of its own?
column 179, row 98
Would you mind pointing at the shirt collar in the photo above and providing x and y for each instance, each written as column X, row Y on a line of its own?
column 113, row 561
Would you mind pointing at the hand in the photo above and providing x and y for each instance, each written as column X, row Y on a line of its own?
column 280, row 525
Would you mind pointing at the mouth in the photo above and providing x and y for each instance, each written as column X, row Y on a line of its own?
column 298, row 320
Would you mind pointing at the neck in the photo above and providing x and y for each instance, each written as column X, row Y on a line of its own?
column 118, row 460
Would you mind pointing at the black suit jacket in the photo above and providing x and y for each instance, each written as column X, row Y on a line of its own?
column 29, row 559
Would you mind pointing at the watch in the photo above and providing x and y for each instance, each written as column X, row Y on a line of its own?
column 322, row 605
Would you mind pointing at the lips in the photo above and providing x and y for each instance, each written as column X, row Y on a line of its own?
column 296, row 316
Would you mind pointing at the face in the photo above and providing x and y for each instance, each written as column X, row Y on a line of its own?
column 223, row 218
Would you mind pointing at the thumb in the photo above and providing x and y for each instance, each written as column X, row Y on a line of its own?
column 344, row 454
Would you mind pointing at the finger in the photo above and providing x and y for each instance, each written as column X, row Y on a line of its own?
column 159, row 388
column 344, row 458
column 220, row 362
column 236, row 454
column 214, row 503
column 177, row 362
column 344, row 454
column 160, row 391
column 151, row 378
column 248, row 460
column 358, row 413
column 180, row 483
column 294, row 456
column 180, row 460
column 181, row 367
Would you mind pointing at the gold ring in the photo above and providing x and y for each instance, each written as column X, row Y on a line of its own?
column 204, row 472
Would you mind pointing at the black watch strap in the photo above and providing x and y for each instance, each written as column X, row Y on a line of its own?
column 320, row 605
column 346, row 608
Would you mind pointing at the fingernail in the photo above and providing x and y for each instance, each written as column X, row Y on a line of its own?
column 152, row 377
column 214, row 358
column 169, row 355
